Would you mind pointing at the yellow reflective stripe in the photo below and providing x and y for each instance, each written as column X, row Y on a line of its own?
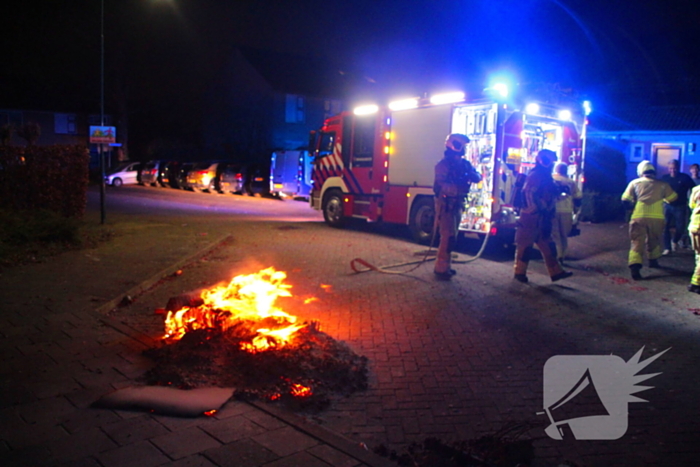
column 648, row 211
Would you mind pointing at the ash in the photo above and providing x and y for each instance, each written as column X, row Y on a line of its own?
column 206, row 358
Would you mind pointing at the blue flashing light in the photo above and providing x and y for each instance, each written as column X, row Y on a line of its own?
column 587, row 108
column 501, row 89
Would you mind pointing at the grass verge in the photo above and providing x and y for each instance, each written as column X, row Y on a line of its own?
column 33, row 236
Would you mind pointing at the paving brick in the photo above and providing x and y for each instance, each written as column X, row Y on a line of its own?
column 45, row 411
column 243, row 453
column 233, row 429
column 133, row 430
column 90, row 442
column 83, row 419
column 285, row 441
column 185, row 442
column 300, row 459
column 141, row 454
column 197, row 460
column 264, row 420
column 333, row 456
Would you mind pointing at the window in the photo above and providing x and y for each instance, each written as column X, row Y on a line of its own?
column 331, row 107
column 363, row 141
column 64, row 124
column 294, row 109
column 325, row 145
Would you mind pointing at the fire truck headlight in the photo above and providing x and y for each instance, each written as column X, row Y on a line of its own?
column 532, row 108
column 565, row 114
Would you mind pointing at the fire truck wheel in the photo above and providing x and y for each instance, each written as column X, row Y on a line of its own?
column 422, row 219
column 333, row 209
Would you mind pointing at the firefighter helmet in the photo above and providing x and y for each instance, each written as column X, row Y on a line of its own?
column 645, row 167
column 456, row 142
column 546, row 157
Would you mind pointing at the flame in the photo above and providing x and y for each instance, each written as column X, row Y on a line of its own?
column 210, row 413
column 298, row 390
column 247, row 298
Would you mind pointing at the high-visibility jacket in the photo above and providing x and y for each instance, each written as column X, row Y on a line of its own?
column 694, row 204
column 648, row 196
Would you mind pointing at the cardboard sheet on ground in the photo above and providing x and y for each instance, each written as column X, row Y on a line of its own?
column 166, row 401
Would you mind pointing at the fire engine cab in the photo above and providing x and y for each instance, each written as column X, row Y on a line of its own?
column 378, row 163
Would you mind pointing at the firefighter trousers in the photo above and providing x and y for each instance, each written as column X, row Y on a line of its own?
column 646, row 235
column 449, row 214
column 560, row 232
column 695, row 242
column 531, row 231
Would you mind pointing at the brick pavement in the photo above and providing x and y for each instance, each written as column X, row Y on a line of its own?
column 451, row 360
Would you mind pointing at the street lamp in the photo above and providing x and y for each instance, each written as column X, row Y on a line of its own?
column 102, row 109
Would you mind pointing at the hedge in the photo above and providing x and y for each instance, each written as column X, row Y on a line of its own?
column 53, row 178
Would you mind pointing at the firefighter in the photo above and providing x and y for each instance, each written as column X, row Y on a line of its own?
column 568, row 203
column 694, row 232
column 645, row 196
column 534, row 225
column 453, row 178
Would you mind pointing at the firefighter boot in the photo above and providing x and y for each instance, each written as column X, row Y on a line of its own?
column 443, row 276
column 654, row 263
column 694, row 288
column 634, row 270
column 562, row 275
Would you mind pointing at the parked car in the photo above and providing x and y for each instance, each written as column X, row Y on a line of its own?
column 150, row 172
column 258, row 180
column 232, row 179
column 168, row 174
column 182, row 174
column 124, row 174
column 205, row 176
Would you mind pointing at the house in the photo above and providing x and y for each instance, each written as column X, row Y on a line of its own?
column 265, row 100
column 56, row 128
column 655, row 133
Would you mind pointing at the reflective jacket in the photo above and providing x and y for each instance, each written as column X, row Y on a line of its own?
column 648, row 196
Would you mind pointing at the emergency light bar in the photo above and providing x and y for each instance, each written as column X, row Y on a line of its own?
column 404, row 104
column 447, row 98
column 532, row 108
column 565, row 114
column 366, row 109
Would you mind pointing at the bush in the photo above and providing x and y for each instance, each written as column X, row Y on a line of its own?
column 29, row 236
column 52, row 178
column 601, row 207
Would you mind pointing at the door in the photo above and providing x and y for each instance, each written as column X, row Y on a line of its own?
column 663, row 155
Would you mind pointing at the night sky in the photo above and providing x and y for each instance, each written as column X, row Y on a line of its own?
column 161, row 54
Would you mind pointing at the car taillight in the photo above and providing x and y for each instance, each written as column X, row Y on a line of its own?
column 239, row 177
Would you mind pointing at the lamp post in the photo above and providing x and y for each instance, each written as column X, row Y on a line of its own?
column 102, row 109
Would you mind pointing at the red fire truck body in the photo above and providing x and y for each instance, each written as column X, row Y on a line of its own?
column 380, row 166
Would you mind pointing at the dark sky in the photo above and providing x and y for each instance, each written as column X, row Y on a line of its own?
column 160, row 53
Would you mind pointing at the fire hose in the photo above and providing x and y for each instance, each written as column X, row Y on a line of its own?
column 387, row 269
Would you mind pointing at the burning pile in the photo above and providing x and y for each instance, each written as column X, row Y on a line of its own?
column 234, row 336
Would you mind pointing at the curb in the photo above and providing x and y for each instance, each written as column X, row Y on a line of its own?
column 326, row 436
column 151, row 281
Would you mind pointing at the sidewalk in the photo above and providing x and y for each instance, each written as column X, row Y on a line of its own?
column 453, row 361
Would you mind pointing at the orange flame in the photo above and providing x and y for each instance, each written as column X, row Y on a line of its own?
column 248, row 298
column 298, row 390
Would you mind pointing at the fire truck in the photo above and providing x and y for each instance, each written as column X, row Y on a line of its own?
column 377, row 163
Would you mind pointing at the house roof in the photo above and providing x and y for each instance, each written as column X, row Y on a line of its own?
column 308, row 75
column 648, row 118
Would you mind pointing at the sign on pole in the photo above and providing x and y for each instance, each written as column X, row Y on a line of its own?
column 103, row 134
